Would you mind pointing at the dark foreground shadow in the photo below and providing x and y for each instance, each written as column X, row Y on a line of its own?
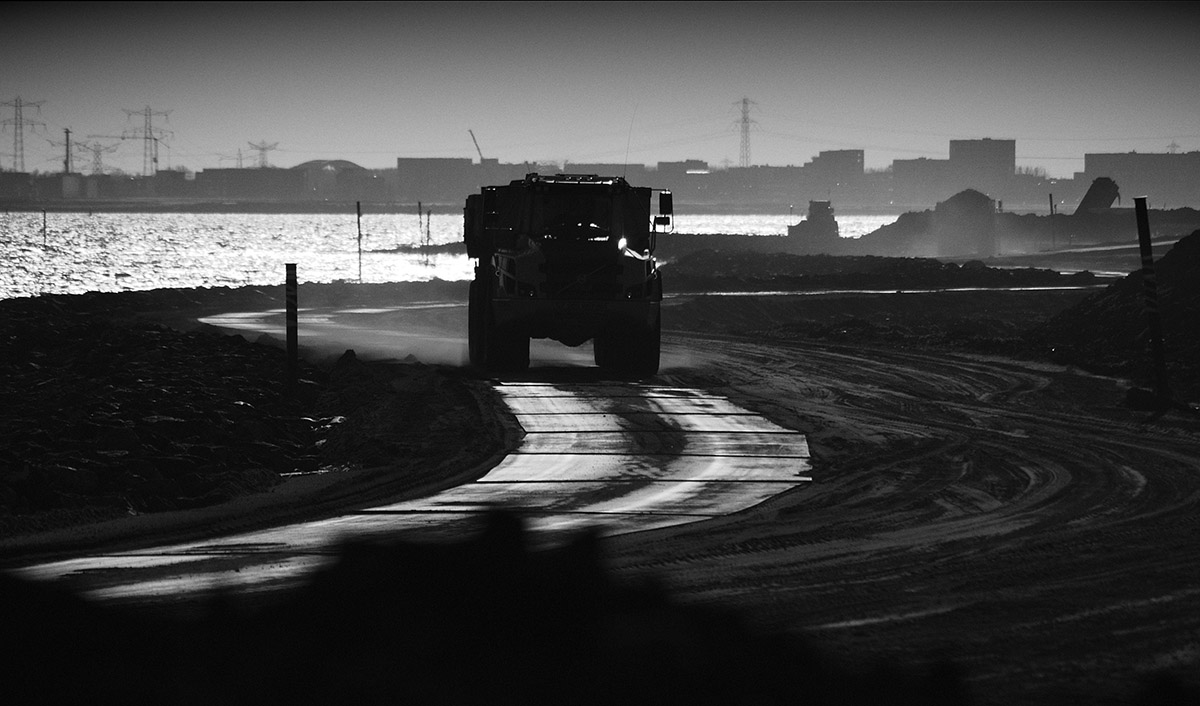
column 484, row 621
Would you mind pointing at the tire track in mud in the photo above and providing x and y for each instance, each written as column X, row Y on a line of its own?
column 1007, row 514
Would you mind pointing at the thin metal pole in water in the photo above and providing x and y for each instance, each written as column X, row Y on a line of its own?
column 292, row 333
column 43, row 227
column 1150, row 294
column 358, row 209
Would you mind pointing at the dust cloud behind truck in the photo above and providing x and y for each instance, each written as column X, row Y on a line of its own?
column 568, row 257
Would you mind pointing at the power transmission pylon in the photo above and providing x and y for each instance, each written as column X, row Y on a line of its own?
column 19, row 123
column 745, row 124
column 263, row 148
column 98, row 150
column 225, row 157
column 149, row 135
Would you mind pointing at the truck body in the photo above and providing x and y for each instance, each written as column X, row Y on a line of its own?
column 566, row 257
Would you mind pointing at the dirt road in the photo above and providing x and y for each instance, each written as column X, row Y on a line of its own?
column 1012, row 517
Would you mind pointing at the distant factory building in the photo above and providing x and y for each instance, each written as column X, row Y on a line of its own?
column 634, row 173
column 985, row 165
column 262, row 184
column 688, row 179
column 836, row 166
column 920, row 181
column 16, row 185
column 448, row 180
column 679, row 169
column 436, row 179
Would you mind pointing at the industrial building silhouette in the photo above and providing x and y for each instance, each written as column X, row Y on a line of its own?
column 1172, row 180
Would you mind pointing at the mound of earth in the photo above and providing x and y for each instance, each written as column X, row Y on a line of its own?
column 730, row 270
column 1108, row 331
column 993, row 322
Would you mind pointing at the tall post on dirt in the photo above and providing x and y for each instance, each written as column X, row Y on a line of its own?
column 1052, row 238
column 1150, row 293
column 358, row 209
column 292, row 328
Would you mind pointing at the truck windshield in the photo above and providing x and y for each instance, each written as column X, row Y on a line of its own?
column 573, row 217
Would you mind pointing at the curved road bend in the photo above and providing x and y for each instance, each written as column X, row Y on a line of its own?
column 621, row 457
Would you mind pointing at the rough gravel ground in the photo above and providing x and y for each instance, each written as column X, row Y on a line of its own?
column 120, row 428
column 1011, row 515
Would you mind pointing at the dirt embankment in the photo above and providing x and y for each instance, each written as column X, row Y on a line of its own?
column 1078, row 319
column 110, row 415
column 1109, row 331
column 738, row 271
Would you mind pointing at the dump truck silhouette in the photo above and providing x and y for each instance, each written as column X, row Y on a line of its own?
column 569, row 257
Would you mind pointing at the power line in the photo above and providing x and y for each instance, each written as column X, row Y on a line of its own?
column 19, row 122
column 149, row 135
column 225, row 157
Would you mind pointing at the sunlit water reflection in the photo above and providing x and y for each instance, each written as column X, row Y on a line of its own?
column 80, row 252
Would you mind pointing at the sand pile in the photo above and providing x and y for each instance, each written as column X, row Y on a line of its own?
column 1107, row 332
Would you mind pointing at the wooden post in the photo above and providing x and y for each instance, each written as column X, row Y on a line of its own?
column 1150, row 294
column 292, row 332
column 1052, row 239
column 358, row 209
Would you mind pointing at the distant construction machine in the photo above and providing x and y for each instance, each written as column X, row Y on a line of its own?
column 567, row 257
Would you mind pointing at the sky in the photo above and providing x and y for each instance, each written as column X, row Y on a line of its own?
column 612, row 82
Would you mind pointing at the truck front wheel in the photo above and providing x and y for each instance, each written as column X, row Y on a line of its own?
column 475, row 325
column 632, row 353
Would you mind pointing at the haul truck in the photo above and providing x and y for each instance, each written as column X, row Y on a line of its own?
column 569, row 257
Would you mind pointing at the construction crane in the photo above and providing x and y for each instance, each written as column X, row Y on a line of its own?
column 472, row 133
